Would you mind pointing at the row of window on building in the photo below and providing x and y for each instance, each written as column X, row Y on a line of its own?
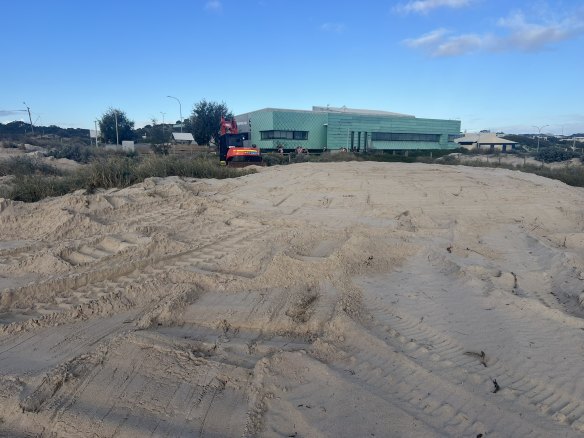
column 284, row 135
column 375, row 136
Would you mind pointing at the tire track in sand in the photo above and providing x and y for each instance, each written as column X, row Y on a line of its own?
column 458, row 409
column 444, row 356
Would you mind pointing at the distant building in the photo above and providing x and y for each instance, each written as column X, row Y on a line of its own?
column 328, row 128
column 183, row 137
column 486, row 141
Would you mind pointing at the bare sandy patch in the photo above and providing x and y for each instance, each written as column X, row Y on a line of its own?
column 339, row 299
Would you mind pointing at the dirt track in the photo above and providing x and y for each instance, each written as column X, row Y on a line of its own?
column 345, row 299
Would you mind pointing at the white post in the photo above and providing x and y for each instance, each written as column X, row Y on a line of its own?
column 117, row 136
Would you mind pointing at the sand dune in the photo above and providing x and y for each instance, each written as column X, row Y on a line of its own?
column 339, row 299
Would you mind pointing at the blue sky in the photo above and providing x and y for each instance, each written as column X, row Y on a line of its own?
column 499, row 65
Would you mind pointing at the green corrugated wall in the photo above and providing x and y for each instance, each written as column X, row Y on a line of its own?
column 333, row 130
column 340, row 127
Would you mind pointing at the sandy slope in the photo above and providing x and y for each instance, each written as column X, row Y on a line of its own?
column 347, row 299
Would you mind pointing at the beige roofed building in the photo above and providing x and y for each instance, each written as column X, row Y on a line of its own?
column 183, row 137
column 486, row 140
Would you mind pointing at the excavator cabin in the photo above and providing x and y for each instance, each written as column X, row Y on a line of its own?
column 232, row 150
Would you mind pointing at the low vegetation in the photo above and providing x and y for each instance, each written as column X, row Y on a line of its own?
column 26, row 166
column 105, row 173
column 425, row 156
column 571, row 175
column 76, row 152
column 31, row 179
column 554, row 154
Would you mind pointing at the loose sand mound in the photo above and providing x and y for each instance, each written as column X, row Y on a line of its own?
column 346, row 299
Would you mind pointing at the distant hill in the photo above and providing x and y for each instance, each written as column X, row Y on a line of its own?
column 16, row 131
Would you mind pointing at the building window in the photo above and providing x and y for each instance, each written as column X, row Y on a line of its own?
column 284, row 135
column 398, row 136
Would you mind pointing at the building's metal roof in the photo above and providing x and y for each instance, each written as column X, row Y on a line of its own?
column 330, row 109
column 183, row 136
column 483, row 138
column 344, row 109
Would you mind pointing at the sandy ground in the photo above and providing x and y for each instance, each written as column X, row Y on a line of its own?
column 312, row 300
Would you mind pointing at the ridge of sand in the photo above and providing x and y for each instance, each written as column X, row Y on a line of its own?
column 338, row 299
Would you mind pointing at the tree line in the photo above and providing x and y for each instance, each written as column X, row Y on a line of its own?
column 203, row 123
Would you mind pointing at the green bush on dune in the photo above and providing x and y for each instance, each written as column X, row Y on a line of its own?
column 31, row 184
column 24, row 166
column 34, row 180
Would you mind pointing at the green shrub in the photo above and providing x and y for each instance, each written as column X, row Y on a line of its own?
column 121, row 172
column 274, row 159
column 573, row 176
column 161, row 149
column 336, row 157
column 24, row 165
column 10, row 145
column 33, row 188
column 76, row 152
column 389, row 158
column 111, row 172
column 553, row 154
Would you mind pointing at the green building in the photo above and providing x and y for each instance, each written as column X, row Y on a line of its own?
column 345, row 128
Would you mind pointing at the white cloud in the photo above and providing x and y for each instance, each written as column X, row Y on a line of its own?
column 430, row 39
column 425, row 6
column 514, row 33
column 461, row 44
column 333, row 27
column 533, row 37
column 213, row 5
column 440, row 42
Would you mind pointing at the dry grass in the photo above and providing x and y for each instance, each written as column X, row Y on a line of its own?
column 31, row 185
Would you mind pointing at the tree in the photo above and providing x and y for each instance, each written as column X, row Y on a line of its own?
column 158, row 134
column 107, row 126
column 206, row 120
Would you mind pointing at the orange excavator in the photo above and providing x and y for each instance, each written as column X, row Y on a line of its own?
column 231, row 148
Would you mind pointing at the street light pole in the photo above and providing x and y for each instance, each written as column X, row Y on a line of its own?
column 117, row 136
column 539, row 128
column 29, row 117
column 163, row 137
column 95, row 121
column 179, row 110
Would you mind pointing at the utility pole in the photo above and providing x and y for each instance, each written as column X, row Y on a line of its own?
column 29, row 117
column 539, row 128
column 117, row 136
column 163, row 137
column 179, row 110
column 95, row 121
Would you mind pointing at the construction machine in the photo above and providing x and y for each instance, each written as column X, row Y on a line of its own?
column 231, row 146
